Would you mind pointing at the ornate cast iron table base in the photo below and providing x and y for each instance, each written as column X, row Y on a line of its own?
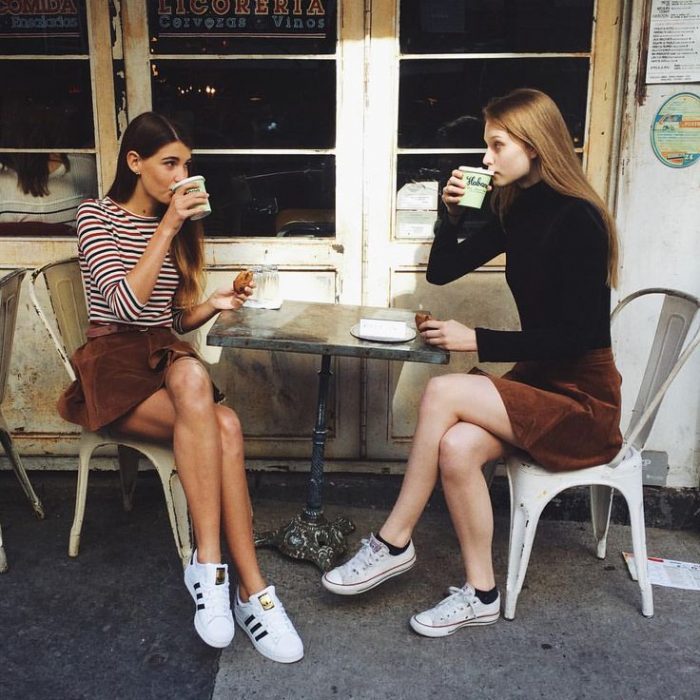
column 309, row 535
column 319, row 329
column 316, row 540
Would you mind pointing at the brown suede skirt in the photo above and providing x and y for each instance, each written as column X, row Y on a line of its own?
column 565, row 414
column 117, row 371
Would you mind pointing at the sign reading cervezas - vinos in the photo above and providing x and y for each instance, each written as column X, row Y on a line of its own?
column 249, row 18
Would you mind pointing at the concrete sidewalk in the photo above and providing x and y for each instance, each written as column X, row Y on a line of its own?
column 117, row 621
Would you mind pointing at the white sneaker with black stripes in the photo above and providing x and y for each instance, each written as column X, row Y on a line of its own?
column 265, row 621
column 208, row 586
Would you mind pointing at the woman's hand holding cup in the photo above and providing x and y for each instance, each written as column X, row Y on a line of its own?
column 452, row 192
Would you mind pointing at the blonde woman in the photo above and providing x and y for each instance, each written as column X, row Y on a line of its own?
column 561, row 400
column 142, row 259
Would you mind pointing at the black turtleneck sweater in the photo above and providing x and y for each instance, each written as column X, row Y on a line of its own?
column 556, row 267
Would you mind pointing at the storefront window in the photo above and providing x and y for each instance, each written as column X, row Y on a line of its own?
column 269, row 195
column 250, row 103
column 257, row 78
column 495, row 26
column 440, row 102
column 47, row 134
column 240, row 27
column 455, row 57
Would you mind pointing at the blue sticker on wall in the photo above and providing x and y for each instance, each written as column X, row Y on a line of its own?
column 675, row 132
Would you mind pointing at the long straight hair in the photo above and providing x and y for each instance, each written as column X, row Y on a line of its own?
column 146, row 135
column 533, row 118
column 30, row 124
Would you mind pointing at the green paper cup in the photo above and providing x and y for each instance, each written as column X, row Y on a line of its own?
column 196, row 184
column 476, row 182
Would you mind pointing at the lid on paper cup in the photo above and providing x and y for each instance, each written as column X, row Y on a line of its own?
column 186, row 181
column 470, row 169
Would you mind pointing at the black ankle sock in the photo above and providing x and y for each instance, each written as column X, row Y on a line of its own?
column 487, row 597
column 393, row 550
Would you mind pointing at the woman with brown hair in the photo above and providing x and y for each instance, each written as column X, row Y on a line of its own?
column 561, row 400
column 46, row 187
column 141, row 256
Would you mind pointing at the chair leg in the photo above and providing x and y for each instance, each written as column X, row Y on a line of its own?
column 128, row 472
column 178, row 514
column 3, row 556
column 601, row 506
column 88, row 443
column 20, row 472
column 490, row 471
column 635, row 503
column 182, row 519
column 523, row 525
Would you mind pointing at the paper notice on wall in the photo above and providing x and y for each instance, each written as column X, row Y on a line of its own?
column 673, row 54
column 418, row 195
column 415, row 224
column 416, row 209
column 667, row 572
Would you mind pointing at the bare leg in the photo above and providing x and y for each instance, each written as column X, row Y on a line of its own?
column 236, row 506
column 447, row 400
column 463, row 451
column 208, row 447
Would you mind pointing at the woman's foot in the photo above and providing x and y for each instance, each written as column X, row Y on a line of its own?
column 208, row 586
column 373, row 564
column 461, row 608
column 264, row 619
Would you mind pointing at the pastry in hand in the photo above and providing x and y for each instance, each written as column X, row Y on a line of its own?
column 422, row 317
column 243, row 280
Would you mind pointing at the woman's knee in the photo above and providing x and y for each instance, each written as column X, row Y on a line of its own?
column 464, row 449
column 189, row 384
column 435, row 393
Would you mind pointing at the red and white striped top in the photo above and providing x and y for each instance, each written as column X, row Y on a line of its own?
column 111, row 240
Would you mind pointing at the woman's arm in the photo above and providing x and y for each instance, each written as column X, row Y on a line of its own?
column 186, row 320
column 143, row 276
column 578, row 302
column 451, row 258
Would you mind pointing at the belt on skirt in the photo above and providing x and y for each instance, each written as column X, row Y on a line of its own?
column 97, row 330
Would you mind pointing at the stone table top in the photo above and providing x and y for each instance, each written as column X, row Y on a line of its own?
column 318, row 328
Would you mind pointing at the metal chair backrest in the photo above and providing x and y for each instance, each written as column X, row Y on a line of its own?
column 10, row 286
column 666, row 357
column 64, row 284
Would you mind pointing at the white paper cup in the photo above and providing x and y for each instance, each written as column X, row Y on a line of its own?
column 476, row 183
column 194, row 184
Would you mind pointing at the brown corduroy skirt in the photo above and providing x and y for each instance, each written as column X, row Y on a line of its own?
column 116, row 372
column 565, row 414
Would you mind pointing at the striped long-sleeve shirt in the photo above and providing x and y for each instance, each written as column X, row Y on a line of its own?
column 111, row 240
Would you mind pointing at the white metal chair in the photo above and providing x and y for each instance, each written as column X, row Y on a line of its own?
column 532, row 487
column 10, row 286
column 67, row 297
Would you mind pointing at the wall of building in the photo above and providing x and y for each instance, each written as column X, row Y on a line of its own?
column 658, row 213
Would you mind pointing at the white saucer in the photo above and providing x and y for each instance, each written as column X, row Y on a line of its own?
column 410, row 335
column 265, row 304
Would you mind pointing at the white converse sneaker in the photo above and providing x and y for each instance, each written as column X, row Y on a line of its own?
column 372, row 565
column 265, row 621
column 208, row 586
column 459, row 609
